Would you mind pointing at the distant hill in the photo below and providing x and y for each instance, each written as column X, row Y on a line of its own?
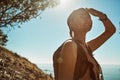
column 15, row 67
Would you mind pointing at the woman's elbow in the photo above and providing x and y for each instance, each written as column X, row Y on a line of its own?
column 110, row 31
column 113, row 30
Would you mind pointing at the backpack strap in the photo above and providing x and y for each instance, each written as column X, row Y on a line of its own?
column 58, row 59
column 55, row 63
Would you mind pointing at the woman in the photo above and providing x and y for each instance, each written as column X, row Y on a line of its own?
column 73, row 60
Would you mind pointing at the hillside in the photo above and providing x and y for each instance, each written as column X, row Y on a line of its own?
column 15, row 67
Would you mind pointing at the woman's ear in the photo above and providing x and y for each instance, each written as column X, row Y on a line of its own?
column 71, row 33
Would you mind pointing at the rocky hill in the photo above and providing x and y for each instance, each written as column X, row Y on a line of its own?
column 15, row 67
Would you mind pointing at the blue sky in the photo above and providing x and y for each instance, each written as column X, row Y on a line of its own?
column 39, row 38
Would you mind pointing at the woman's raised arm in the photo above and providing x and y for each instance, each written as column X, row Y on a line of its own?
column 109, row 29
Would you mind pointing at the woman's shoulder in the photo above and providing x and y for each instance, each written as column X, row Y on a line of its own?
column 70, row 43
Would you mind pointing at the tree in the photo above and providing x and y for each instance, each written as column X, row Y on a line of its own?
column 15, row 12
column 3, row 38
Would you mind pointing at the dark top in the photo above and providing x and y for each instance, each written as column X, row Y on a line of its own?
column 84, row 62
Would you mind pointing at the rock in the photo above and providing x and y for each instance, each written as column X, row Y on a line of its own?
column 15, row 67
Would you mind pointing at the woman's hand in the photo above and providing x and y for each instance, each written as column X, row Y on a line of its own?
column 96, row 13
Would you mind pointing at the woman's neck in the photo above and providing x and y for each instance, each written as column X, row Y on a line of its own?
column 80, row 36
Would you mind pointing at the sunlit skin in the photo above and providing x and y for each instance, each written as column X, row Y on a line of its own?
column 79, row 27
